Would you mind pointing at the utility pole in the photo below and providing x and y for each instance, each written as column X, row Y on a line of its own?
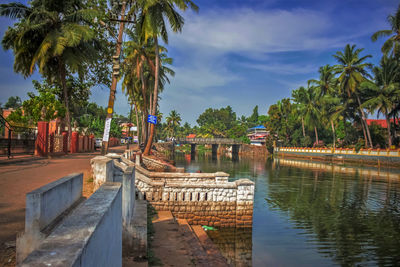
column 115, row 74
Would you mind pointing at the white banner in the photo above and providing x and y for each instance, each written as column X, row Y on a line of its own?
column 107, row 126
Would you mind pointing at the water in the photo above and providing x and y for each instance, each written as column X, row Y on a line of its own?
column 311, row 214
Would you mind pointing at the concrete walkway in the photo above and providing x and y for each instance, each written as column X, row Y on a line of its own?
column 176, row 243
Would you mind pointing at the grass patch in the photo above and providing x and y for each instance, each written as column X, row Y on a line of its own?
column 151, row 257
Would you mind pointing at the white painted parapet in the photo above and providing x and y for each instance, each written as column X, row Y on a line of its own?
column 90, row 236
column 43, row 207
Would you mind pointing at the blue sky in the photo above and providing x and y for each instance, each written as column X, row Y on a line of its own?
column 244, row 53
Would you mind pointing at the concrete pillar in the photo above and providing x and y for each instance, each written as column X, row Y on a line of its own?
column 235, row 152
column 65, row 142
column 51, row 139
column 103, row 170
column 192, row 151
column 42, row 142
column 214, row 149
column 75, row 142
column 128, row 195
column 138, row 158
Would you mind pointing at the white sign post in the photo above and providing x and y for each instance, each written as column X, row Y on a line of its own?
column 107, row 126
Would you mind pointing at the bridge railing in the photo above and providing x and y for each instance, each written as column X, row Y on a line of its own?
column 229, row 141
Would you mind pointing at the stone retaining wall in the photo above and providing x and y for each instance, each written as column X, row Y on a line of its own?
column 200, row 198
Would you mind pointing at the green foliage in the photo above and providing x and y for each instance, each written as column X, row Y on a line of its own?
column 42, row 107
column 216, row 122
column 13, row 102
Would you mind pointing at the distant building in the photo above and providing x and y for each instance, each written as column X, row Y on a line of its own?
column 191, row 136
column 381, row 123
column 257, row 135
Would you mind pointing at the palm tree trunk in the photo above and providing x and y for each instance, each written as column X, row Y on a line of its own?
column 365, row 134
column 365, row 122
column 302, row 125
column 62, row 72
column 389, row 129
column 316, row 135
column 155, row 98
column 334, row 136
column 137, row 123
column 144, row 125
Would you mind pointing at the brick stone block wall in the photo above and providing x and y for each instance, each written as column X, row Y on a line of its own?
column 200, row 198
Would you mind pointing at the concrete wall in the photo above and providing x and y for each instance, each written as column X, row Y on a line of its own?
column 90, row 236
column 43, row 206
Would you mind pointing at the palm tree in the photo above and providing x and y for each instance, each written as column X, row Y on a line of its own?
column 352, row 70
column 392, row 44
column 151, row 24
column 53, row 36
column 312, row 110
column 173, row 120
column 299, row 98
column 383, row 93
column 326, row 80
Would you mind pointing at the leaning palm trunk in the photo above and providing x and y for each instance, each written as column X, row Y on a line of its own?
column 155, row 98
column 302, row 125
column 62, row 72
column 334, row 136
column 144, row 114
column 365, row 122
column 389, row 130
column 365, row 134
column 137, row 124
column 316, row 135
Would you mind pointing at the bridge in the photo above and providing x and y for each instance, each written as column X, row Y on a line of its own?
column 214, row 142
column 208, row 141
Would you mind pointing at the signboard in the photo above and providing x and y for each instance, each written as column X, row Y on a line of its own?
column 135, row 139
column 107, row 126
column 152, row 119
column 133, row 129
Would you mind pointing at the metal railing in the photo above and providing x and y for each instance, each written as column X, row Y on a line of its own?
column 17, row 137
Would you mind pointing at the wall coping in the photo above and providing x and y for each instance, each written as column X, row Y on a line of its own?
column 179, row 174
column 66, row 245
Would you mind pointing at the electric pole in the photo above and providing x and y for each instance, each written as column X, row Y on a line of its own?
column 115, row 74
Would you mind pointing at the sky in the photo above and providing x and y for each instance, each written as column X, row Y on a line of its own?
column 244, row 53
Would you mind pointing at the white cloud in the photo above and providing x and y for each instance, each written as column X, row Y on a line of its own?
column 281, row 68
column 246, row 30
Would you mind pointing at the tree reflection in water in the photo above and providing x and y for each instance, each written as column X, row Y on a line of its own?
column 326, row 214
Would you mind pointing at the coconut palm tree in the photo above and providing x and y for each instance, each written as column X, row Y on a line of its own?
column 151, row 23
column 54, row 37
column 384, row 92
column 312, row 111
column 173, row 120
column 392, row 44
column 326, row 80
column 299, row 98
column 352, row 70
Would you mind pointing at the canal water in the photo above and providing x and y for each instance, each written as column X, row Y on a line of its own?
column 311, row 213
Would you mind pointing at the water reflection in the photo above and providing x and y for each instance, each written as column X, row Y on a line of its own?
column 313, row 214
column 234, row 244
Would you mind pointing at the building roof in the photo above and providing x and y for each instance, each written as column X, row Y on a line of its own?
column 259, row 127
column 381, row 123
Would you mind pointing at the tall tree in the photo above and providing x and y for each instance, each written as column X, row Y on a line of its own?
column 152, row 24
column 384, row 92
column 392, row 44
column 173, row 120
column 53, row 36
column 352, row 70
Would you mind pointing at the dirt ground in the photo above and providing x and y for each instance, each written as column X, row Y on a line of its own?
column 20, row 178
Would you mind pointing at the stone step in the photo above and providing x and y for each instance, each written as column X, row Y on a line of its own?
column 202, row 247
